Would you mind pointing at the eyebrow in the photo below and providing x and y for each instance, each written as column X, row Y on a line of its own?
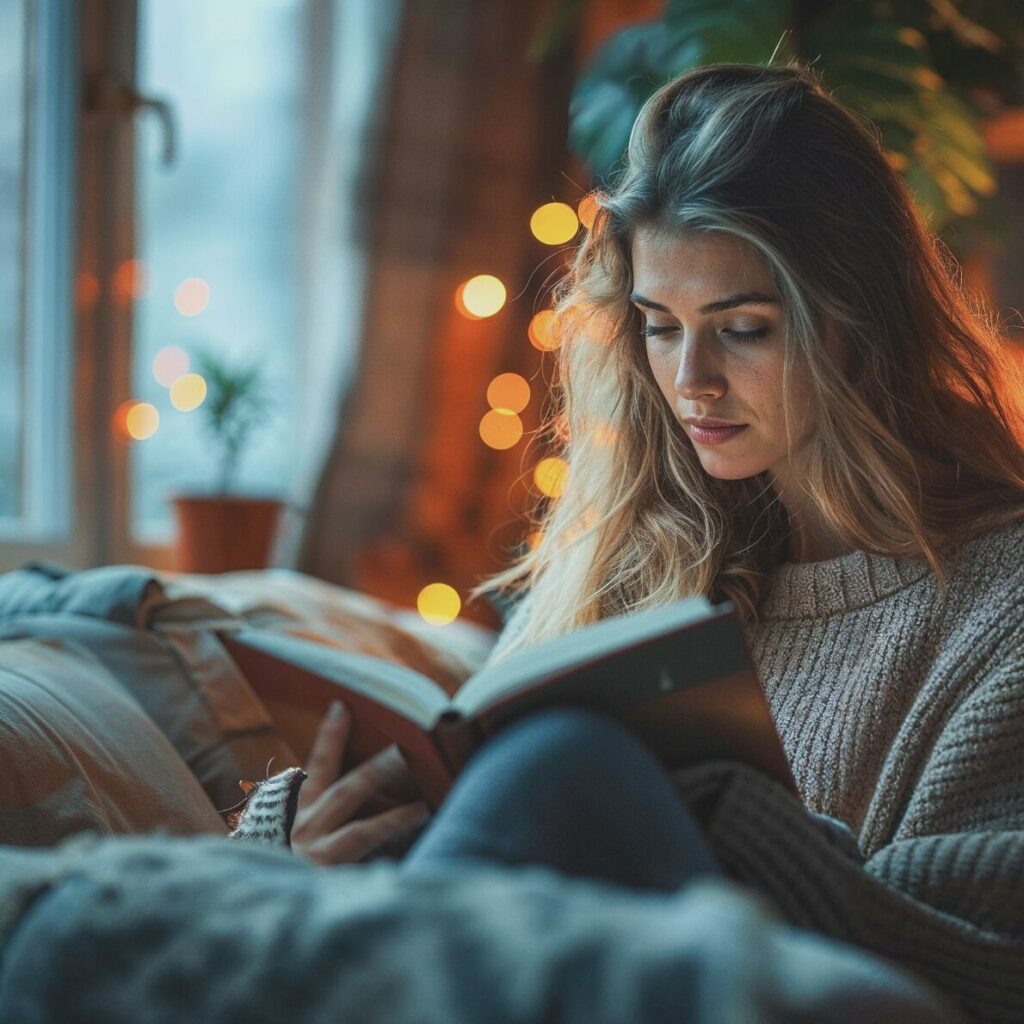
column 739, row 299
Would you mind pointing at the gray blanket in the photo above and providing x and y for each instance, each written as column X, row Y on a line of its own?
column 211, row 931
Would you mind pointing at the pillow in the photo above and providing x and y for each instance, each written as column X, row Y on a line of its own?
column 292, row 602
column 187, row 685
column 78, row 754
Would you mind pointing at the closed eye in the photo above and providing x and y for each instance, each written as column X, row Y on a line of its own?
column 760, row 332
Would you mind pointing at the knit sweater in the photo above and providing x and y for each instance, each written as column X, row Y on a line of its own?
column 903, row 718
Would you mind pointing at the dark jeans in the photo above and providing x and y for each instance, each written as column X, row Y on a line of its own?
column 573, row 790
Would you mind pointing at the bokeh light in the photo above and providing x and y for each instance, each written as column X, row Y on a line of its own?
column 188, row 392
column 140, row 420
column 87, row 289
column 549, row 476
column 554, row 223
column 438, row 604
column 192, row 296
column 604, row 434
column 130, row 281
column 508, row 392
column 480, row 296
column 587, row 210
column 500, row 429
column 541, row 331
column 119, row 421
column 169, row 364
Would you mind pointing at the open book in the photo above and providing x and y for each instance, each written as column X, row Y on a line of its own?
column 680, row 677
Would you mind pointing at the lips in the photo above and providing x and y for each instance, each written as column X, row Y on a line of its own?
column 715, row 435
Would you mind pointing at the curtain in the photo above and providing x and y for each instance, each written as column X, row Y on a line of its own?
column 351, row 49
column 474, row 141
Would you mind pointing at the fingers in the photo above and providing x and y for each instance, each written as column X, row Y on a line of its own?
column 358, row 838
column 328, row 751
column 399, row 786
column 339, row 802
column 324, row 830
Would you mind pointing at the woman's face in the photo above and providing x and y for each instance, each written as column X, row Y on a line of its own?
column 714, row 330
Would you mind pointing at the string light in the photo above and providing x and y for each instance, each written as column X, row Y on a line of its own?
column 481, row 296
column 500, row 429
column 541, row 331
column 549, row 476
column 87, row 289
column 554, row 223
column 188, row 392
column 141, row 420
column 604, row 434
column 130, row 281
column 508, row 392
column 438, row 604
column 192, row 296
column 169, row 364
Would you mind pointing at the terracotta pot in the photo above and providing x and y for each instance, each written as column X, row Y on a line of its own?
column 224, row 532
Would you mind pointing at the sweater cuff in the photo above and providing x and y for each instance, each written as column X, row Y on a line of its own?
column 765, row 838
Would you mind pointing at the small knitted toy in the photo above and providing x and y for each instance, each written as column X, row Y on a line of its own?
column 268, row 811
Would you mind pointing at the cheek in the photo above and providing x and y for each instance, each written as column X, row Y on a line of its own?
column 663, row 369
column 801, row 407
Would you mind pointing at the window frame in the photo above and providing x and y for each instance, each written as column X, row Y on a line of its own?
column 48, row 527
column 82, row 217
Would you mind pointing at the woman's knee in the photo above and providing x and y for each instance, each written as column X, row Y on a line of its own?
column 565, row 748
column 560, row 735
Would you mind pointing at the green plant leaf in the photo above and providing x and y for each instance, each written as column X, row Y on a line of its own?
column 900, row 63
column 635, row 62
column 236, row 404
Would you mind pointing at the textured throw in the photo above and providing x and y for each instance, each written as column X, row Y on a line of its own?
column 205, row 931
column 903, row 719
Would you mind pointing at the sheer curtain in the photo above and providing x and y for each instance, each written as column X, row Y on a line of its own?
column 351, row 49
column 474, row 142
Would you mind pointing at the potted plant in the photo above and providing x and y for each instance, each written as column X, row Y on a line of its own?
column 224, row 531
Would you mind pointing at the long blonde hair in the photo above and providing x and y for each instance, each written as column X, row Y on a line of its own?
column 918, row 442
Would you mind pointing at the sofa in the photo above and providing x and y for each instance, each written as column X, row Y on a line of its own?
column 125, row 727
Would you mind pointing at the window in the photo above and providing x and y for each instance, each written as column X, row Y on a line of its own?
column 107, row 249
column 218, row 244
column 36, row 184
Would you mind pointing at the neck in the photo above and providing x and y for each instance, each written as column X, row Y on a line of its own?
column 800, row 548
column 810, row 538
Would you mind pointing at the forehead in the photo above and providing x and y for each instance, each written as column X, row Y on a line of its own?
column 705, row 265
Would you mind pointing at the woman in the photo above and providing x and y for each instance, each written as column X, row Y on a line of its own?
column 761, row 265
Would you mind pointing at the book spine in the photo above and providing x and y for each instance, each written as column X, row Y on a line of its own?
column 456, row 738
column 430, row 773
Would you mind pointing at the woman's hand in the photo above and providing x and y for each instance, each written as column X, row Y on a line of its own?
column 325, row 829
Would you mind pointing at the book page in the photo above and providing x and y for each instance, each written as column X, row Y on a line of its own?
column 590, row 643
column 403, row 690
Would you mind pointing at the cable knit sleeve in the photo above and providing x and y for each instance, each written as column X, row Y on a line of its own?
column 512, row 628
column 945, row 898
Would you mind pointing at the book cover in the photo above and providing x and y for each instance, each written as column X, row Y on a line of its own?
column 679, row 676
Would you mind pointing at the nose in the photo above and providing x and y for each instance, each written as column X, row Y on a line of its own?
column 698, row 374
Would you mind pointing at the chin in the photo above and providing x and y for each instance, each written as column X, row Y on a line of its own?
column 730, row 469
